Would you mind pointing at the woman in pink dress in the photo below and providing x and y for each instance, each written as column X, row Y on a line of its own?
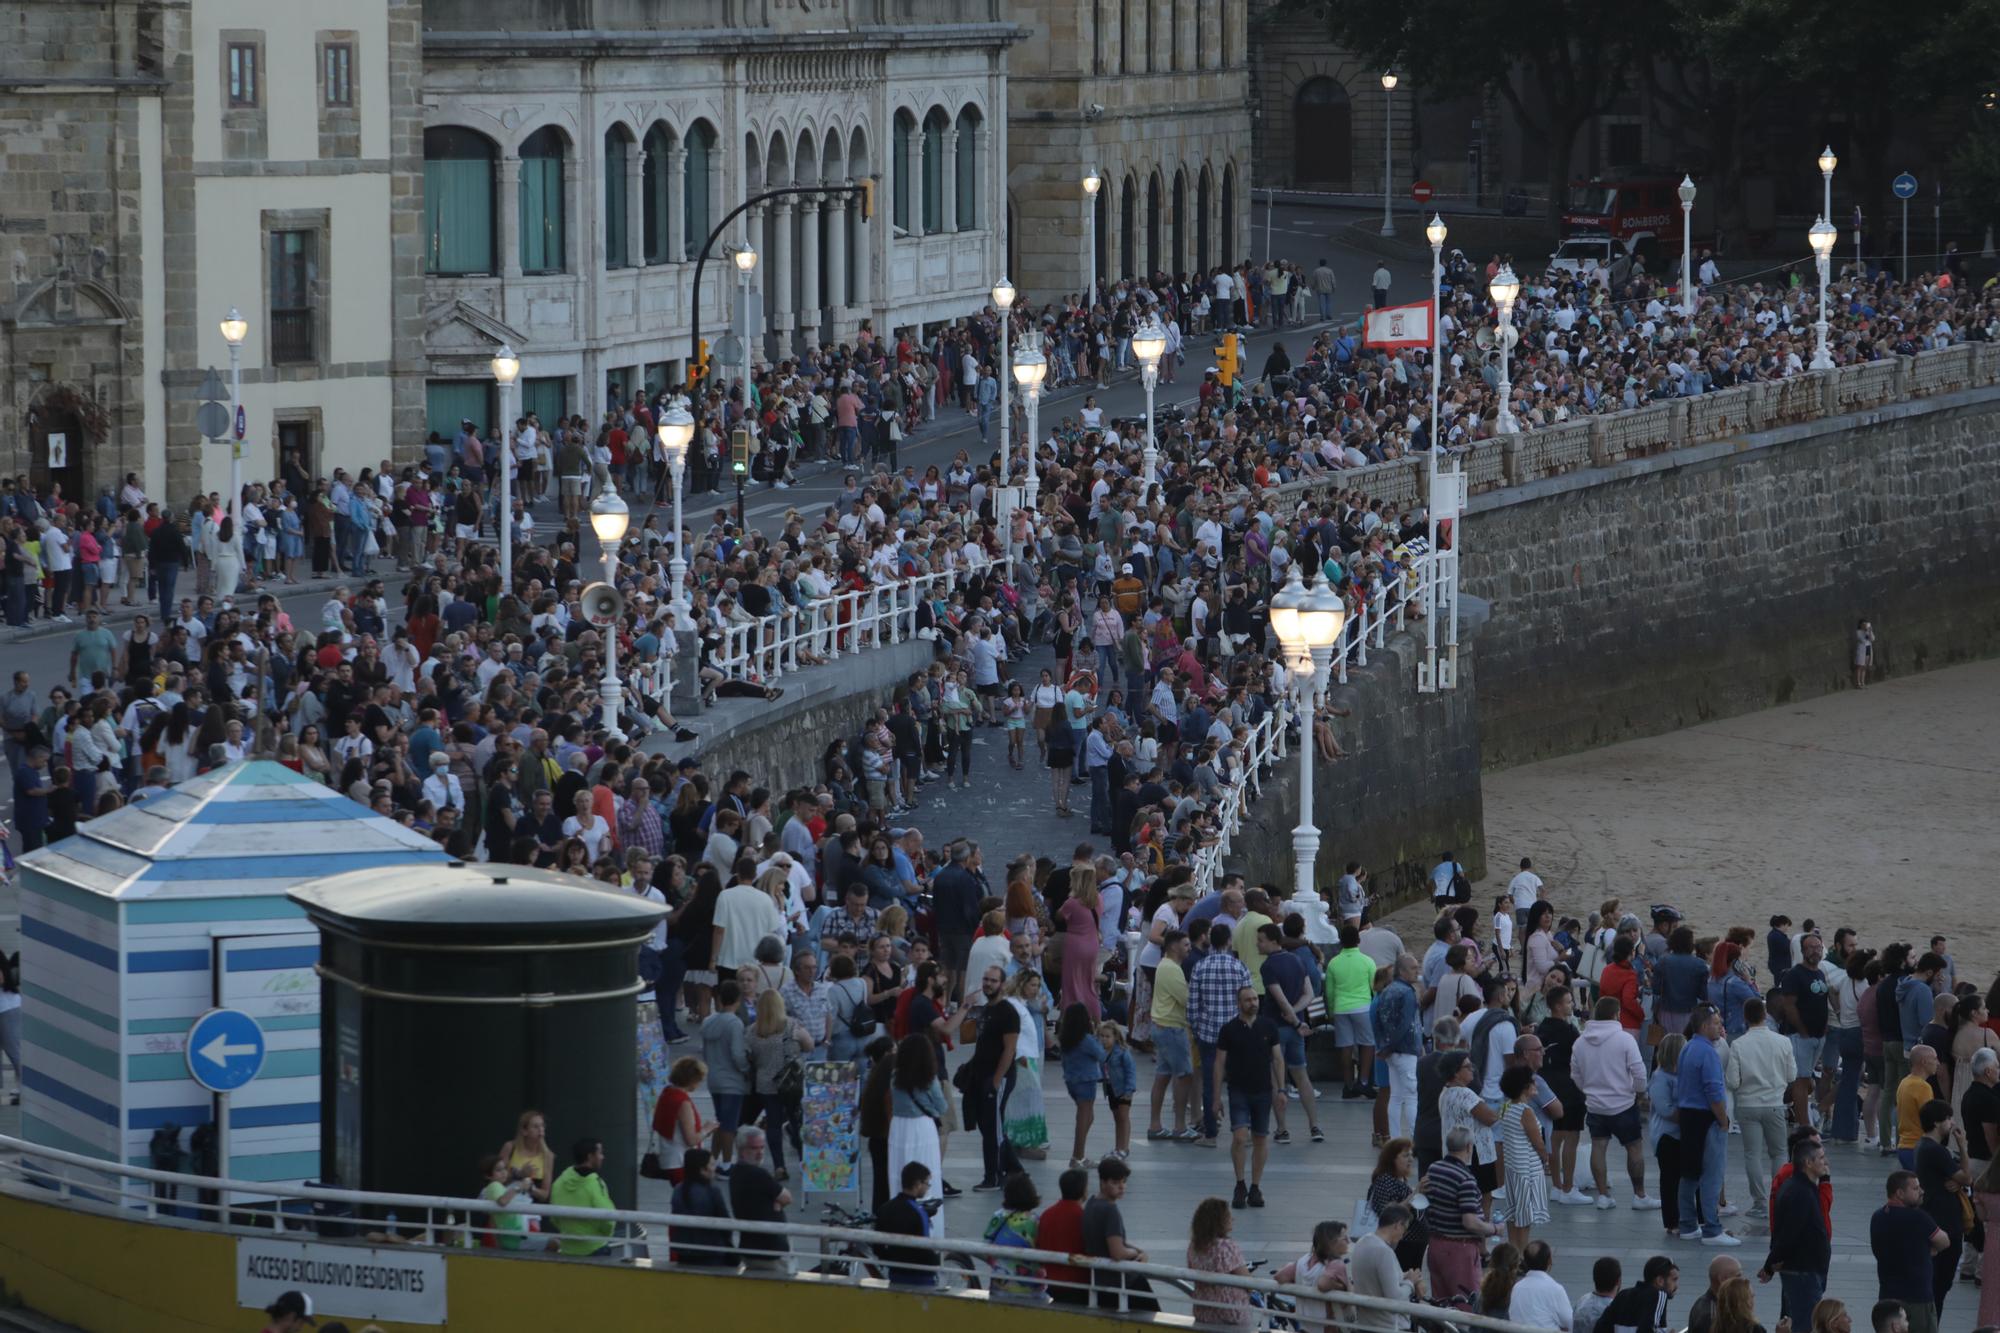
column 1080, row 940
column 1210, row 1250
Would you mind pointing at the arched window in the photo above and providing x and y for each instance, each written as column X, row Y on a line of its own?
column 656, row 195
column 542, row 201
column 1229, row 255
column 1153, row 255
column 697, row 208
column 1178, row 259
column 899, row 169
column 968, row 170
column 458, row 201
column 1128, row 245
column 1322, row 134
column 1100, row 232
column 935, row 125
column 617, row 245
column 1204, row 197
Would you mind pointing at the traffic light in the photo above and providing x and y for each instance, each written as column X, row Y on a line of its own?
column 698, row 368
column 1225, row 360
column 739, row 451
column 867, row 198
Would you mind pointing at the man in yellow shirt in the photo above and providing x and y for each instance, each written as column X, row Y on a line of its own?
column 1173, row 1046
column 1243, row 935
column 1911, row 1095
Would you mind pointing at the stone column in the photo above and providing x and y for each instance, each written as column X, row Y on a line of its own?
column 809, row 303
column 716, row 208
column 864, row 259
column 988, row 212
column 677, row 157
column 915, row 166
column 780, row 285
column 635, row 207
column 948, row 182
column 836, row 264
column 508, row 206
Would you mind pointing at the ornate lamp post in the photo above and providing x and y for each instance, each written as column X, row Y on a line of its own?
column 1388, row 150
column 676, row 433
column 1505, row 287
column 1307, row 622
column 1822, row 236
column 1686, row 193
column 608, row 519
column 506, row 369
column 1149, row 343
column 1030, row 367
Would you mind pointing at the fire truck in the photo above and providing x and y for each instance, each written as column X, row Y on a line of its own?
column 1640, row 212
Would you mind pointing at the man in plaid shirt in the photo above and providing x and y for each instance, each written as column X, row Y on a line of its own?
column 1212, row 987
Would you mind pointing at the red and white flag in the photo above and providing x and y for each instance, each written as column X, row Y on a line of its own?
column 1398, row 326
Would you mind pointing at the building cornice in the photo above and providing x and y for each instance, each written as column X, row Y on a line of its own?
column 716, row 42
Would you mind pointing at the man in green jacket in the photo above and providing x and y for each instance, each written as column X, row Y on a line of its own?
column 582, row 1187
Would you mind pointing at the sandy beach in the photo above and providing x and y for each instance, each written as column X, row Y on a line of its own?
column 1877, row 809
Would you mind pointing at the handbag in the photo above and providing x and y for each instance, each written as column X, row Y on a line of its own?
column 649, row 1165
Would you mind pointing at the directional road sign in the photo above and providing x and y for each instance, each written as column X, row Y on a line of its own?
column 1904, row 185
column 1421, row 192
column 225, row 1049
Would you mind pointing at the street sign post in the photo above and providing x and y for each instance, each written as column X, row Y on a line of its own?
column 225, row 1051
column 1905, row 186
column 1421, row 192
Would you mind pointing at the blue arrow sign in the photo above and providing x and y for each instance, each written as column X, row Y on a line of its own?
column 225, row 1049
column 1904, row 185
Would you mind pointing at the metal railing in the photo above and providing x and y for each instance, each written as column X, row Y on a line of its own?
column 1596, row 441
column 847, row 1254
column 765, row 648
column 1269, row 740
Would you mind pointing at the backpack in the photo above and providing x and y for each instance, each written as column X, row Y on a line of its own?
column 860, row 1020
column 1480, row 1030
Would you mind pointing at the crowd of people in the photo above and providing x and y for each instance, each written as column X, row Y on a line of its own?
column 813, row 919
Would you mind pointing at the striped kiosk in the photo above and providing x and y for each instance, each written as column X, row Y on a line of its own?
column 160, row 911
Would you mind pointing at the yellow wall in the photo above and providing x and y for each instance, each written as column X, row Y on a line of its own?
column 109, row 1275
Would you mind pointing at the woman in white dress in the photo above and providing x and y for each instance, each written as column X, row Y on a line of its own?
column 917, row 1109
column 1027, row 1126
column 226, row 559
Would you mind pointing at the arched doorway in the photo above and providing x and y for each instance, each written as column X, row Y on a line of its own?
column 1177, row 261
column 57, row 446
column 1322, row 134
column 1128, row 245
column 1204, row 198
column 1229, row 255
column 1153, row 255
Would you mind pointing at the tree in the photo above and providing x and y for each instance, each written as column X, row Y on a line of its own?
column 1556, row 63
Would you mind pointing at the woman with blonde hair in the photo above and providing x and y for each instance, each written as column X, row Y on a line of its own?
column 774, row 1042
column 528, row 1155
column 1027, row 1126
column 1830, row 1316
column 1081, row 936
column 1736, row 1308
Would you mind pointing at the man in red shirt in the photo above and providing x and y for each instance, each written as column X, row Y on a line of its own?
column 1060, row 1228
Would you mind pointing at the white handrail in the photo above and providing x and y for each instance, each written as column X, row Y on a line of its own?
column 31, row 1170
column 766, row 648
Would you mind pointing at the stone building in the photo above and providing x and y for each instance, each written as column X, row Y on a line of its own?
column 167, row 160
column 1155, row 95
column 579, row 152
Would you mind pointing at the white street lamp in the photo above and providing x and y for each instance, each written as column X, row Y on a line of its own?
column 1505, row 287
column 1686, row 193
column 746, row 261
column 1308, row 623
column 676, row 433
column 1827, row 162
column 1388, row 150
column 234, row 330
column 608, row 519
column 1003, row 301
column 1030, row 367
column 506, row 369
column 1822, row 236
column 1092, row 183
column 1149, row 344
column 1435, row 233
